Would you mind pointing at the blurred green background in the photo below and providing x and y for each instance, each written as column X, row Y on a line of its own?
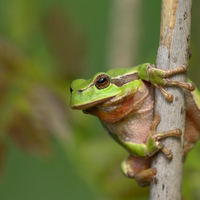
column 48, row 151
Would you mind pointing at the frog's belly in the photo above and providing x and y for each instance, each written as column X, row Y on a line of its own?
column 136, row 126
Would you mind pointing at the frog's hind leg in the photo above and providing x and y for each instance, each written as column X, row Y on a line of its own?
column 192, row 124
column 139, row 169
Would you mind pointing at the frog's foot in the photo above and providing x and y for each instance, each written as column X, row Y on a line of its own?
column 139, row 169
column 160, row 78
column 161, row 135
column 145, row 177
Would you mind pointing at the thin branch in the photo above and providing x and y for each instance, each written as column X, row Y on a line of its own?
column 173, row 52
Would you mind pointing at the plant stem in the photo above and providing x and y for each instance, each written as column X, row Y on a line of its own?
column 173, row 52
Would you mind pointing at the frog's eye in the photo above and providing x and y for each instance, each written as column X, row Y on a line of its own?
column 102, row 81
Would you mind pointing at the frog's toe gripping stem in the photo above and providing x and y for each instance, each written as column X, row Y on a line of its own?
column 171, row 83
column 161, row 135
column 168, row 97
column 168, row 153
column 164, row 150
column 178, row 70
column 155, row 123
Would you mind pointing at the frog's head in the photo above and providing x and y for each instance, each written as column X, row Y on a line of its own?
column 101, row 88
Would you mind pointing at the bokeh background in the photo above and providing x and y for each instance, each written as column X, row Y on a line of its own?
column 47, row 150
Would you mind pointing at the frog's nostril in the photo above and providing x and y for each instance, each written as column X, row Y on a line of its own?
column 80, row 91
column 71, row 90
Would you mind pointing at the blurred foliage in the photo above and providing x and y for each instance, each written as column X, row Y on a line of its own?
column 44, row 45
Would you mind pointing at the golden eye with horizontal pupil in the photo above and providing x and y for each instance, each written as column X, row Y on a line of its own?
column 102, row 81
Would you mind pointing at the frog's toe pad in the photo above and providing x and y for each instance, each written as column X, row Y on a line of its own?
column 191, row 86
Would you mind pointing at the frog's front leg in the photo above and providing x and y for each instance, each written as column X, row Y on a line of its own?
column 160, row 78
column 153, row 143
column 154, row 139
column 139, row 168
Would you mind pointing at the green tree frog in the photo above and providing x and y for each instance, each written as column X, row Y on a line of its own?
column 123, row 99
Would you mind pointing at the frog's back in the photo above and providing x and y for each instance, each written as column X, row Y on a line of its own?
column 192, row 124
column 123, row 71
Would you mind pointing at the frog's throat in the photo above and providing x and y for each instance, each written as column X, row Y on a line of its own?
column 113, row 113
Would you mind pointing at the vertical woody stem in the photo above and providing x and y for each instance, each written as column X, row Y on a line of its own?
column 173, row 52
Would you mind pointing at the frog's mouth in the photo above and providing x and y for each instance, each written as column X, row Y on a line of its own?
column 89, row 105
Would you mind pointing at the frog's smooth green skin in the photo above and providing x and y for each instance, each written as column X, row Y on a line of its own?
column 123, row 100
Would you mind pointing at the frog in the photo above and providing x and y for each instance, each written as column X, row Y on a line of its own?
column 123, row 100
